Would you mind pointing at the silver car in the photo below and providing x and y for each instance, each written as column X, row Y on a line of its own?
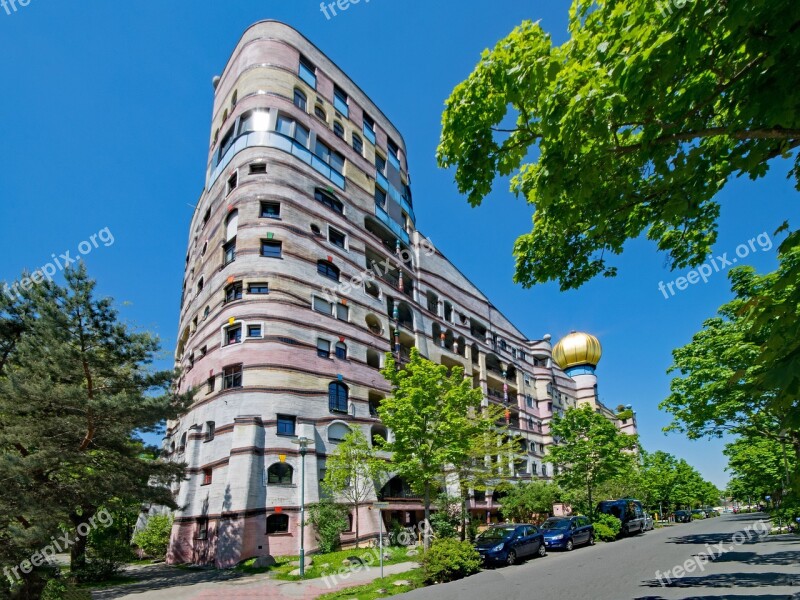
column 648, row 523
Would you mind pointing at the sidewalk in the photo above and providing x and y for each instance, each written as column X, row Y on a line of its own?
column 167, row 583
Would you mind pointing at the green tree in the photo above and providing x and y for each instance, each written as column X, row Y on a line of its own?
column 329, row 520
column 76, row 391
column 589, row 450
column 759, row 467
column 436, row 417
column 659, row 474
column 630, row 127
column 352, row 470
column 153, row 538
column 732, row 380
column 523, row 501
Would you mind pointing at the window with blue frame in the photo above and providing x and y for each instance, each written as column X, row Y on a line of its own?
column 369, row 128
column 337, row 397
column 308, row 72
column 340, row 101
column 286, row 425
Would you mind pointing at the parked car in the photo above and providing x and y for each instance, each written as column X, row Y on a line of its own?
column 710, row 512
column 627, row 510
column 508, row 543
column 701, row 514
column 567, row 532
column 682, row 516
column 649, row 524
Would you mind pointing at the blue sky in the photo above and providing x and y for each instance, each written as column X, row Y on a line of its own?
column 104, row 123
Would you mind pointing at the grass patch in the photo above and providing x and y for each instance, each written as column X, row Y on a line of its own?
column 281, row 562
column 334, row 562
column 380, row 588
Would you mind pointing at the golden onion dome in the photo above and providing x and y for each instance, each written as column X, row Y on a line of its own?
column 576, row 349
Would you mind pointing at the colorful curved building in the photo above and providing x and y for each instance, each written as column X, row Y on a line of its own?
column 304, row 267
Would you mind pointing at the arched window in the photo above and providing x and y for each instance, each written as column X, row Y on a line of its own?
column 182, row 446
column 278, row 523
column 337, row 432
column 234, row 98
column 341, row 350
column 280, row 473
column 338, row 129
column 328, row 200
column 300, row 100
column 328, row 270
column 338, row 395
column 320, row 112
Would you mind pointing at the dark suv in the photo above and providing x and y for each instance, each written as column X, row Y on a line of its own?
column 567, row 532
column 627, row 510
column 508, row 543
column 683, row 516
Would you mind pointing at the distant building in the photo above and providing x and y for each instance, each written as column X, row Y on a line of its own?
column 304, row 267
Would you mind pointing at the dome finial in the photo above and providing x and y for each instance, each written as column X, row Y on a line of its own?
column 576, row 349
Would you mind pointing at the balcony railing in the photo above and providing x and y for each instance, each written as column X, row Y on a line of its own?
column 273, row 139
column 396, row 228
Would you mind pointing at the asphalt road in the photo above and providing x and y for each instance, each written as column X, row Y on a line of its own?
column 756, row 567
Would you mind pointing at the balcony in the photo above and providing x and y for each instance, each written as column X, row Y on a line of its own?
column 395, row 228
column 272, row 139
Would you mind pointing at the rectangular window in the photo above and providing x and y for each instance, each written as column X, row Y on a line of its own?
column 380, row 164
column 394, row 154
column 233, row 292
column 380, row 197
column 258, row 168
column 308, row 72
column 330, row 157
column 323, row 306
column 202, row 529
column 369, row 128
column 254, row 331
column 211, row 383
column 323, row 348
column 210, row 430
column 258, row 288
column 342, row 312
column 286, row 425
column 337, row 238
column 229, row 252
column 271, row 249
column 340, row 101
column 233, row 335
column 270, row 210
column 208, row 475
column 232, row 377
column 233, row 181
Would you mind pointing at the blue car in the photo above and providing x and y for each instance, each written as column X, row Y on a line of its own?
column 507, row 544
column 567, row 532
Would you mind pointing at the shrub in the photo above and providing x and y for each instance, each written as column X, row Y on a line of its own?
column 696, row 516
column 448, row 560
column 606, row 527
column 153, row 539
column 329, row 521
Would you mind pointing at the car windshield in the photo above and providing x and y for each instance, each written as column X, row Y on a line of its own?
column 495, row 533
column 556, row 524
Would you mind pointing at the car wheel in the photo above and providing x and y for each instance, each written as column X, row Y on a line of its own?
column 511, row 558
column 591, row 540
column 569, row 546
column 542, row 550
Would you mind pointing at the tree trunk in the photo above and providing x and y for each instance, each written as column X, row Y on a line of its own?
column 591, row 504
column 356, row 519
column 427, row 535
column 464, row 514
column 77, row 552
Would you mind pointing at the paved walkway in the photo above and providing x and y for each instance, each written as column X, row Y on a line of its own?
column 159, row 582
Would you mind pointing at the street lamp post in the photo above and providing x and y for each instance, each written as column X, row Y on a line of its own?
column 303, row 443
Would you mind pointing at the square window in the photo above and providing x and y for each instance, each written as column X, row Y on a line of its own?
column 254, row 331
column 232, row 377
column 233, row 335
column 323, row 306
column 270, row 210
column 286, row 425
column 233, row 292
column 208, row 475
column 323, row 348
column 337, row 238
column 258, row 288
column 271, row 249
